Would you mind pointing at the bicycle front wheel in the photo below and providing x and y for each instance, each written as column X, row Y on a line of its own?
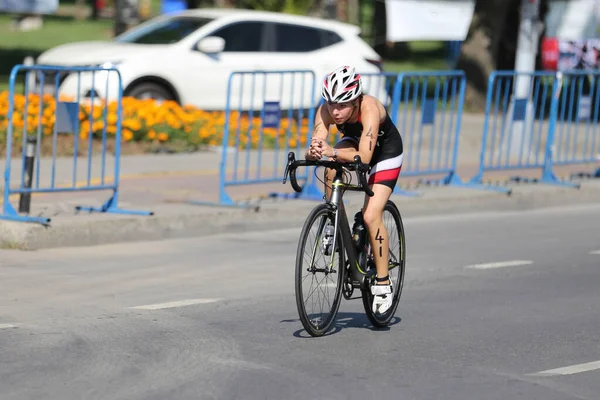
column 396, row 263
column 319, row 272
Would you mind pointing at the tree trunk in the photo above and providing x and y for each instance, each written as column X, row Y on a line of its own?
column 224, row 3
column 379, row 28
column 354, row 12
column 342, row 10
column 492, row 28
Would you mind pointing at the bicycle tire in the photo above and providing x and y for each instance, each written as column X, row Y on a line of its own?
column 314, row 216
column 383, row 320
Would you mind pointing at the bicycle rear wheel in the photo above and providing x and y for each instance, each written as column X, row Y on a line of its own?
column 397, row 260
column 319, row 273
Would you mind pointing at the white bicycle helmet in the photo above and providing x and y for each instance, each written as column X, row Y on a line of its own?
column 342, row 85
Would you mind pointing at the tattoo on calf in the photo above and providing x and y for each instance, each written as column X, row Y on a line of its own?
column 380, row 239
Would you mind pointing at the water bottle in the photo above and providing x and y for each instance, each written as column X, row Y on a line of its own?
column 328, row 239
column 358, row 231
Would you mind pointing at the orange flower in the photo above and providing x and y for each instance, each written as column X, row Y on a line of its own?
column 163, row 137
column 112, row 119
column 127, row 135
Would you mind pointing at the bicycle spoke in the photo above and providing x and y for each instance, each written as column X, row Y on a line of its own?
column 318, row 297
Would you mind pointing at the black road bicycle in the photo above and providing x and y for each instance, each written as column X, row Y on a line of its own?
column 333, row 260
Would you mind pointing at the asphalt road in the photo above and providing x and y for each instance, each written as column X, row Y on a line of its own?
column 217, row 318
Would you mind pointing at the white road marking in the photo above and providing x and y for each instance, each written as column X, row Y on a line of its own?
column 595, row 252
column 174, row 304
column 573, row 369
column 501, row 264
column 7, row 326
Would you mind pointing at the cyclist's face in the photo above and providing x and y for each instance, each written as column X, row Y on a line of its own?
column 340, row 111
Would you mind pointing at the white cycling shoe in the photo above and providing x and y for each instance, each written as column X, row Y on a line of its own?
column 382, row 298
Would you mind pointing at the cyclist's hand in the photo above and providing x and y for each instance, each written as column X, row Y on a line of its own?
column 315, row 151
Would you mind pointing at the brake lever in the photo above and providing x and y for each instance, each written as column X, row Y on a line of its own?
column 291, row 160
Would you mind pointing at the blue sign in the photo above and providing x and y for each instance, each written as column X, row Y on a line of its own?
column 67, row 116
column 428, row 116
column 584, row 111
column 271, row 114
column 520, row 110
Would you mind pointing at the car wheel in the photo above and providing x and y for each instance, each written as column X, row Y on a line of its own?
column 149, row 90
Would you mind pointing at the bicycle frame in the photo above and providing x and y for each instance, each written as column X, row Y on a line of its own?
column 336, row 203
column 341, row 220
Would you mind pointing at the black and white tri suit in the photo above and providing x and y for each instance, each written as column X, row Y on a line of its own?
column 386, row 162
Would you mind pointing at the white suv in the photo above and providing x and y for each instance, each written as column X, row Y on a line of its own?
column 188, row 56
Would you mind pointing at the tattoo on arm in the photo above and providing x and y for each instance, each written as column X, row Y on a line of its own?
column 369, row 134
column 317, row 126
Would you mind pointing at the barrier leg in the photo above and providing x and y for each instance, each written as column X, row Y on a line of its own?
column 111, row 206
column 10, row 214
column 586, row 175
column 549, row 178
column 477, row 183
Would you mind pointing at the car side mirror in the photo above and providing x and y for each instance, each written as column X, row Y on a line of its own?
column 211, row 45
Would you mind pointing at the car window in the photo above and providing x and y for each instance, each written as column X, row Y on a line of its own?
column 242, row 36
column 330, row 38
column 295, row 38
column 167, row 31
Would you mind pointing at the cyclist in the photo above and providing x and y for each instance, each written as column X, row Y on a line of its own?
column 369, row 132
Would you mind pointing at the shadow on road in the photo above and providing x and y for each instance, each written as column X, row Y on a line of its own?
column 347, row 320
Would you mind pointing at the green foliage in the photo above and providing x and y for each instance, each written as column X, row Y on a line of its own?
column 300, row 7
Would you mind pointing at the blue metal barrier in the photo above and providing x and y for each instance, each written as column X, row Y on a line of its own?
column 267, row 114
column 428, row 115
column 519, row 119
column 85, row 82
column 575, row 138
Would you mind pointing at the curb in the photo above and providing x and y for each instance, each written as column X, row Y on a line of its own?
column 185, row 221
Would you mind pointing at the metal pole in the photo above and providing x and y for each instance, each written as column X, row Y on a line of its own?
column 25, row 198
column 527, row 44
column 527, row 47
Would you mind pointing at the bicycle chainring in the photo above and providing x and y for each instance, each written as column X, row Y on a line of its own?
column 347, row 288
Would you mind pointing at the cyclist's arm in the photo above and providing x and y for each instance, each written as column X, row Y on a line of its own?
column 322, row 122
column 321, row 129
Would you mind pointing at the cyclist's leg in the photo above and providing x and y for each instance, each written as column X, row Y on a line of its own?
column 382, row 181
column 344, row 143
column 378, row 235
